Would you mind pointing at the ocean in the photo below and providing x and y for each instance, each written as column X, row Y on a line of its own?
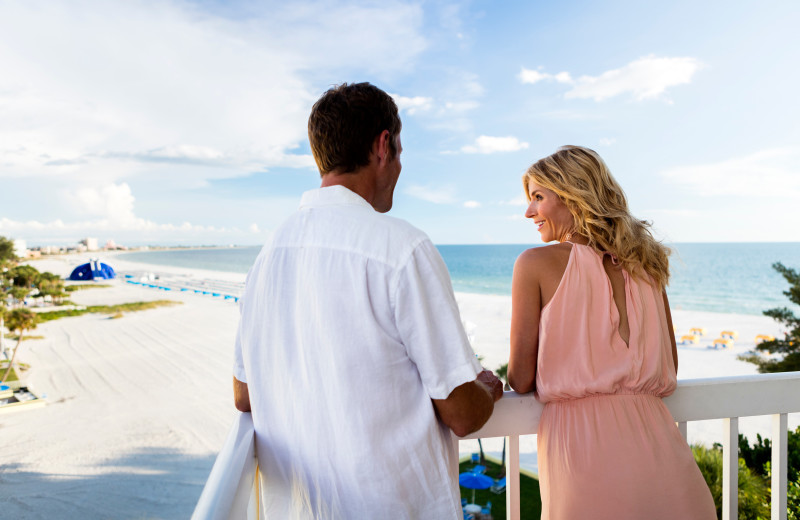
column 719, row 277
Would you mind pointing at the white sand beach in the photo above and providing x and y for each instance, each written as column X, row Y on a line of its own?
column 139, row 406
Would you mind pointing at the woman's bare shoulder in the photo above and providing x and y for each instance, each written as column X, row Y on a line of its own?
column 544, row 257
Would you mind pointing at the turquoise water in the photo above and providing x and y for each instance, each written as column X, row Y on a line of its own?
column 728, row 277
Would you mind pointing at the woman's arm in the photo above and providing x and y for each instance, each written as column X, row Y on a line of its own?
column 525, row 311
column 671, row 329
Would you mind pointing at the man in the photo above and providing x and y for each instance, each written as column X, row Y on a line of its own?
column 350, row 350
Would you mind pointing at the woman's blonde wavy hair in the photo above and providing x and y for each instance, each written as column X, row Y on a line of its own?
column 583, row 182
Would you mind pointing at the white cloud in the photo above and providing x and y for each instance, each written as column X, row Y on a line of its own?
column 771, row 173
column 113, row 202
column 461, row 106
column 436, row 195
column 7, row 224
column 534, row 76
column 109, row 210
column 487, row 144
column 412, row 104
column 472, row 204
column 607, row 141
column 458, row 93
column 646, row 78
column 521, row 200
column 179, row 85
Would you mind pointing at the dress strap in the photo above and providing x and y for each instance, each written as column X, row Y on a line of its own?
column 614, row 259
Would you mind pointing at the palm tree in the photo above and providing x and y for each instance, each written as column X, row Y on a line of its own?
column 21, row 321
column 5, row 287
column 2, row 326
column 50, row 284
column 19, row 294
column 7, row 255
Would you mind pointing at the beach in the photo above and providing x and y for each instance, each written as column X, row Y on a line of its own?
column 139, row 406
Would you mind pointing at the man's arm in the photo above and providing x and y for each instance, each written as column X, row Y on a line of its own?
column 241, row 396
column 470, row 405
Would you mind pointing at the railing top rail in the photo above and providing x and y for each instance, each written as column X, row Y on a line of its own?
column 694, row 399
column 751, row 378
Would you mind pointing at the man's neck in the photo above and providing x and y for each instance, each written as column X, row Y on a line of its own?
column 359, row 182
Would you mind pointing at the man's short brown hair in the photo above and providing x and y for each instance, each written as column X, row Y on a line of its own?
column 344, row 123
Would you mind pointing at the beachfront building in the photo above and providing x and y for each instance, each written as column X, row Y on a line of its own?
column 20, row 248
column 90, row 243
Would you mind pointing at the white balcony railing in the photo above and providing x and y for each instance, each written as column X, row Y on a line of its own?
column 232, row 488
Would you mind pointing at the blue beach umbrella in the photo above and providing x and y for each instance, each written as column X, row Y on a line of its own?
column 474, row 481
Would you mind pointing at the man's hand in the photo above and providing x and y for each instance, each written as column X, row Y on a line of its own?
column 470, row 405
column 493, row 384
column 241, row 396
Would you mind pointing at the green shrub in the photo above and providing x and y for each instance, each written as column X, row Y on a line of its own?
column 760, row 454
column 753, row 489
column 793, row 500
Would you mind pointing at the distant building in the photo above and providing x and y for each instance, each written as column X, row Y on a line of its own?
column 20, row 248
column 113, row 246
column 90, row 243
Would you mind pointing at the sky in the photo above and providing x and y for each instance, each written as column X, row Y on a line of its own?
column 184, row 122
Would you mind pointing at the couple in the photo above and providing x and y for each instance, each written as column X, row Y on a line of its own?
column 351, row 355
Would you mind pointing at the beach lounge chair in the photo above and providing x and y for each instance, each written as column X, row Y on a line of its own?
column 499, row 486
column 690, row 339
column 764, row 337
column 698, row 331
column 479, row 469
column 723, row 343
column 487, row 509
column 729, row 334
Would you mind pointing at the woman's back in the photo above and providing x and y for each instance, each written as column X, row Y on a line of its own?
column 594, row 339
column 608, row 447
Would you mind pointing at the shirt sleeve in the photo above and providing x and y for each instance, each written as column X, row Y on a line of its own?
column 238, row 358
column 430, row 324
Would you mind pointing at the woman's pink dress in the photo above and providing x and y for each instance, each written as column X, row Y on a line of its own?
column 608, row 447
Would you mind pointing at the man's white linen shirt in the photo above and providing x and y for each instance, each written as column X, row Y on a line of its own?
column 348, row 329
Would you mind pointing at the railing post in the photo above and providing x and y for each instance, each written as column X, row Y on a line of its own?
column 682, row 429
column 513, row 490
column 454, row 456
column 779, row 465
column 730, row 468
column 254, row 506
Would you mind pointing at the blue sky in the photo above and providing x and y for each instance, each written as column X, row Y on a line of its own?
column 171, row 122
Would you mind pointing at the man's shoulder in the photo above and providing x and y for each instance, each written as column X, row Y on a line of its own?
column 355, row 229
column 391, row 238
column 400, row 227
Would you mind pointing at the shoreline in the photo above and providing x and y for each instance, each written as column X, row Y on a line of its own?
column 140, row 406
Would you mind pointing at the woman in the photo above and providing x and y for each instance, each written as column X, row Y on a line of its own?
column 591, row 334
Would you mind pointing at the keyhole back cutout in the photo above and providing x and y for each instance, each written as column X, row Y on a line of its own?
column 617, row 280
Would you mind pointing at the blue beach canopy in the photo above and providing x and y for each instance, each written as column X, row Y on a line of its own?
column 474, row 481
column 95, row 269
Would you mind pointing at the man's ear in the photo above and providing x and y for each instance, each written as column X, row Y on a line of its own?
column 381, row 147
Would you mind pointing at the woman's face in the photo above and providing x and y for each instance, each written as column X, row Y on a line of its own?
column 551, row 216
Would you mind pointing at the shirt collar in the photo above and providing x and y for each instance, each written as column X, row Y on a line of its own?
column 332, row 195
